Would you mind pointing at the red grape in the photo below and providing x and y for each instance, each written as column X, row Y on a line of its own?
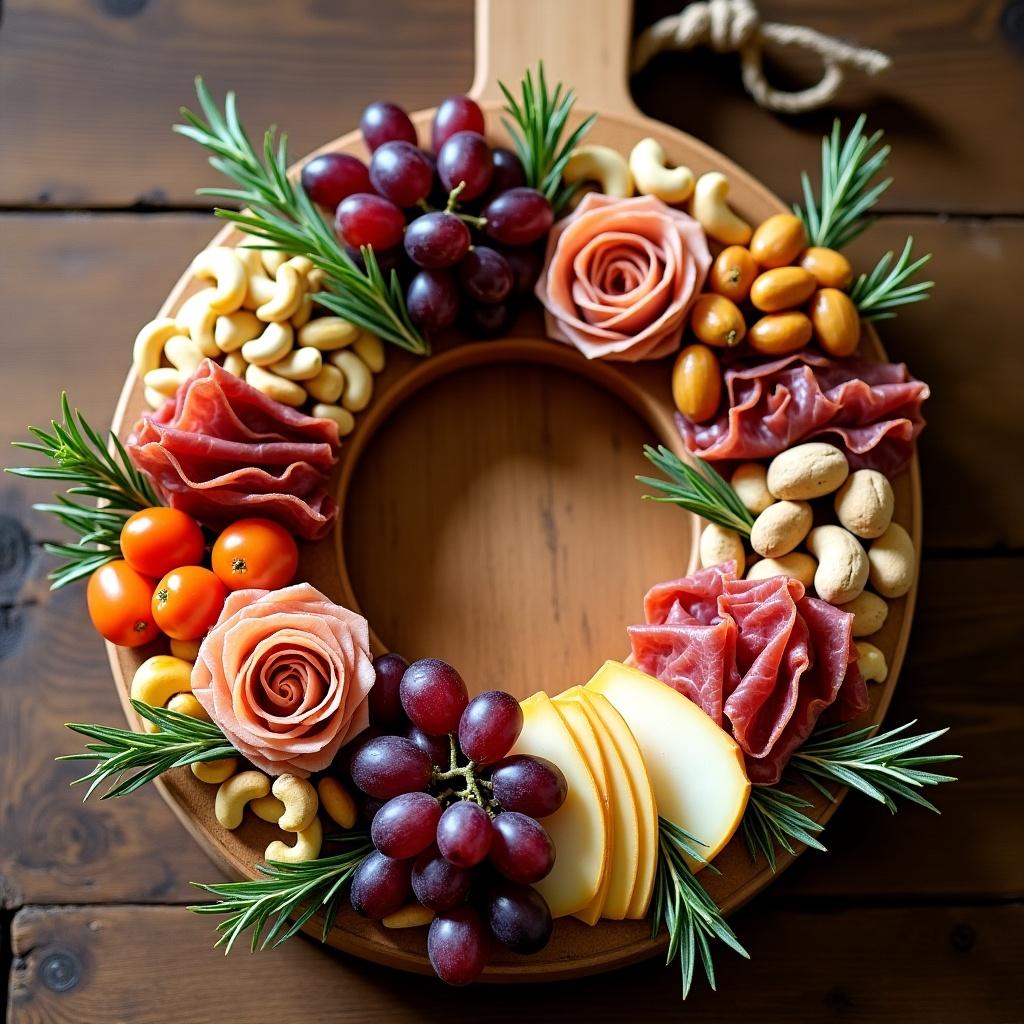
column 484, row 275
column 508, row 170
column 434, row 696
column 386, row 122
column 518, row 217
column 458, row 946
column 521, row 849
column 437, row 240
column 347, row 752
column 365, row 219
column 380, row 885
column 402, row 173
column 437, row 883
column 526, row 263
column 489, row 726
column 437, row 748
column 529, row 784
column 368, row 806
column 332, row 177
column 384, row 703
column 389, row 765
column 519, row 917
column 491, row 321
column 432, row 299
column 465, row 157
column 464, row 834
column 455, row 114
column 406, row 825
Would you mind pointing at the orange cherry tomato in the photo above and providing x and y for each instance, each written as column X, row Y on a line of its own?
column 187, row 602
column 255, row 553
column 120, row 604
column 157, row 540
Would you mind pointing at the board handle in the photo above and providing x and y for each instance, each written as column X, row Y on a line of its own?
column 583, row 43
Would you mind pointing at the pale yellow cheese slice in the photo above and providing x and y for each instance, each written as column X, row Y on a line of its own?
column 578, row 827
column 695, row 768
column 643, row 798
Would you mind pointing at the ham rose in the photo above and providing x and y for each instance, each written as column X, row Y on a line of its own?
column 285, row 674
column 619, row 277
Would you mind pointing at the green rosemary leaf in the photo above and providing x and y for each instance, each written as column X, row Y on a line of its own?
column 877, row 293
column 773, row 818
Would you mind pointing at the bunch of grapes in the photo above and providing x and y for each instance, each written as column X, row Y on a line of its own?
column 456, row 222
column 453, row 816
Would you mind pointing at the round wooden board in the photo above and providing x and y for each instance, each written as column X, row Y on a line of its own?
column 524, row 564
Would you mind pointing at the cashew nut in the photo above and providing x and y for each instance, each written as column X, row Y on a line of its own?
column 871, row 662
column 186, row 704
column 267, row 808
column 718, row 545
column 232, row 331
column 235, row 793
column 251, row 255
column 602, row 164
column 892, row 562
column 327, row 385
column 224, row 266
column 749, row 481
column 842, row 564
column 796, row 565
column 358, row 380
column 150, row 342
column 299, row 364
column 780, row 527
column 159, row 678
column 302, row 315
column 165, row 380
column 272, row 260
column 215, row 772
column 187, row 650
column 652, row 176
column 345, row 420
column 712, row 211
column 328, row 333
column 261, row 289
column 315, row 280
column 288, row 292
column 198, row 317
column 183, row 354
column 303, row 265
column 300, row 802
column 153, row 398
column 337, row 801
column 415, row 915
column 307, row 846
column 869, row 613
column 271, row 346
column 370, row 349
column 235, row 364
column 285, row 391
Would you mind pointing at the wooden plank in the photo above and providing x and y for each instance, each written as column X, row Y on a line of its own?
column 952, row 963
column 117, row 72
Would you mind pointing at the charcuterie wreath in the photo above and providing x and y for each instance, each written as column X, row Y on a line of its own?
column 395, row 809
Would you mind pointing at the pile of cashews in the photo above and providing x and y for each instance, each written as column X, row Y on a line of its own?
column 646, row 172
column 835, row 561
column 255, row 316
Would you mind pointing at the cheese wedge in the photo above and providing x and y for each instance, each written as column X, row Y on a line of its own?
column 696, row 769
column 578, row 828
column 643, row 798
column 579, row 725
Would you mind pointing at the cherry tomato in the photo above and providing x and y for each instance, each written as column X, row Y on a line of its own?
column 187, row 602
column 157, row 540
column 255, row 553
column 120, row 604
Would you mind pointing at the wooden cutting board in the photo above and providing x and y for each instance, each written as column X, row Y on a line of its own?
column 489, row 514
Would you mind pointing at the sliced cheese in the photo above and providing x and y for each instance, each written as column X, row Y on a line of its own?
column 625, row 846
column 582, row 731
column 695, row 768
column 578, row 827
column 643, row 798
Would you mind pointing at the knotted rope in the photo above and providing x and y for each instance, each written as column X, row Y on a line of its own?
column 729, row 26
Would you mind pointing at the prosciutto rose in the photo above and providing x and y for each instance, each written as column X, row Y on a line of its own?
column 285, row 674
column 619, row 277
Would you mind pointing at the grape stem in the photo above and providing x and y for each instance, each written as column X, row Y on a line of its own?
column 471, row 785
column 453, row 199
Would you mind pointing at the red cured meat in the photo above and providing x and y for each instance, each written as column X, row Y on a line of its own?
column 870, row 410
column 758, row 656
column 220, row 450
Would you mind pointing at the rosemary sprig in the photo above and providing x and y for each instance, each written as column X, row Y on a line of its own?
column 142, row 756
column 680, row 903
column 877, row 766
column 540, row 117
column 848, row 189
column 314, row 885
column 95, row 469
column 877, row 294
column 286, row 219
column 699, row 489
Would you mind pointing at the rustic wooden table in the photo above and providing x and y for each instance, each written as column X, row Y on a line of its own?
column 913, row 919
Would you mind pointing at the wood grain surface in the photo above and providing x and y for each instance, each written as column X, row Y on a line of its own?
column 912, row 918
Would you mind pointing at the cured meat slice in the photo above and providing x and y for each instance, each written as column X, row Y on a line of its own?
column 762, row 659
column 870, row 410
column 220, row 450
